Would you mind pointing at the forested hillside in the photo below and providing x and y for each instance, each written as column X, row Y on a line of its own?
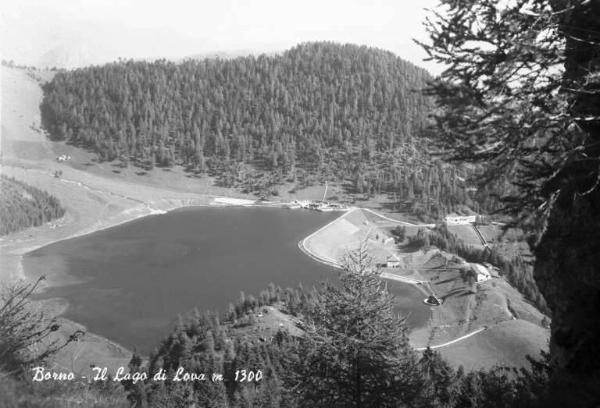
column 345, row 348
column 23, row 206
column 317, row 111
column 341, row 345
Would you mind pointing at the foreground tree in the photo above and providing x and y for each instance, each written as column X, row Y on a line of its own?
column 25, row 333
column 521, row 94
column 441, row 384
column 355, row 352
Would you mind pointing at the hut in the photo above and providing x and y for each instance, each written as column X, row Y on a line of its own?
column 392, row 262
column 482, row 271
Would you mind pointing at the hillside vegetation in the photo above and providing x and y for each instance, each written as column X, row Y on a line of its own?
column 517, row 270
column 339, row 346
column 318, row 111
column 23, row 206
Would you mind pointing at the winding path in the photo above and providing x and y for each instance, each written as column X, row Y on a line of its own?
column 480, row 236
column 466, row 336
column 408, row 224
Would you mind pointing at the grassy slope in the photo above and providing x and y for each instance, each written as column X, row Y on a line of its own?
column 490, row 232
column 466, row 308
column 498, row 345
column 467, row 234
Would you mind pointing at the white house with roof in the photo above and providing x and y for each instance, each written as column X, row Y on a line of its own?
column 483, row 273
column 392, row 262
column 454, row 219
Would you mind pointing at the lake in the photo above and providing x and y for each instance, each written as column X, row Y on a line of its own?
column 130, row 282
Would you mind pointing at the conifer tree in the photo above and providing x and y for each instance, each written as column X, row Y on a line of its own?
column 439, row 381
column 521, row 97
column 355, row 352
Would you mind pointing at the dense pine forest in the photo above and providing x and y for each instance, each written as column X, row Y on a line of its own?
column 319, row 111
column 23, row 206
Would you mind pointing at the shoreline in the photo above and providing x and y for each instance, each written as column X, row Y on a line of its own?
column 302, row 245
column 129, row 203
column 14, row 247
column 164, row 205
column 304, row 248
column 167, row 204
column 142, row 210
column 145, row 209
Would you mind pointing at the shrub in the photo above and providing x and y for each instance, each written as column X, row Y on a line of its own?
column 23, row 329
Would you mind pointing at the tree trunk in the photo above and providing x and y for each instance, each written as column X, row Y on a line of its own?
column 567, row 265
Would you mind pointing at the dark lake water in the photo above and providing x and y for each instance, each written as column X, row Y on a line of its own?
column 130, row 282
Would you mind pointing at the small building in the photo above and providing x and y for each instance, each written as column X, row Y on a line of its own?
column 315, row 205
column 63, row 157
column 392, row 262
column 303, row 203
column 483, row 273
column 460, row 219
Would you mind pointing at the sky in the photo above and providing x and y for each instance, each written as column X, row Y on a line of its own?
column 80, row 32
